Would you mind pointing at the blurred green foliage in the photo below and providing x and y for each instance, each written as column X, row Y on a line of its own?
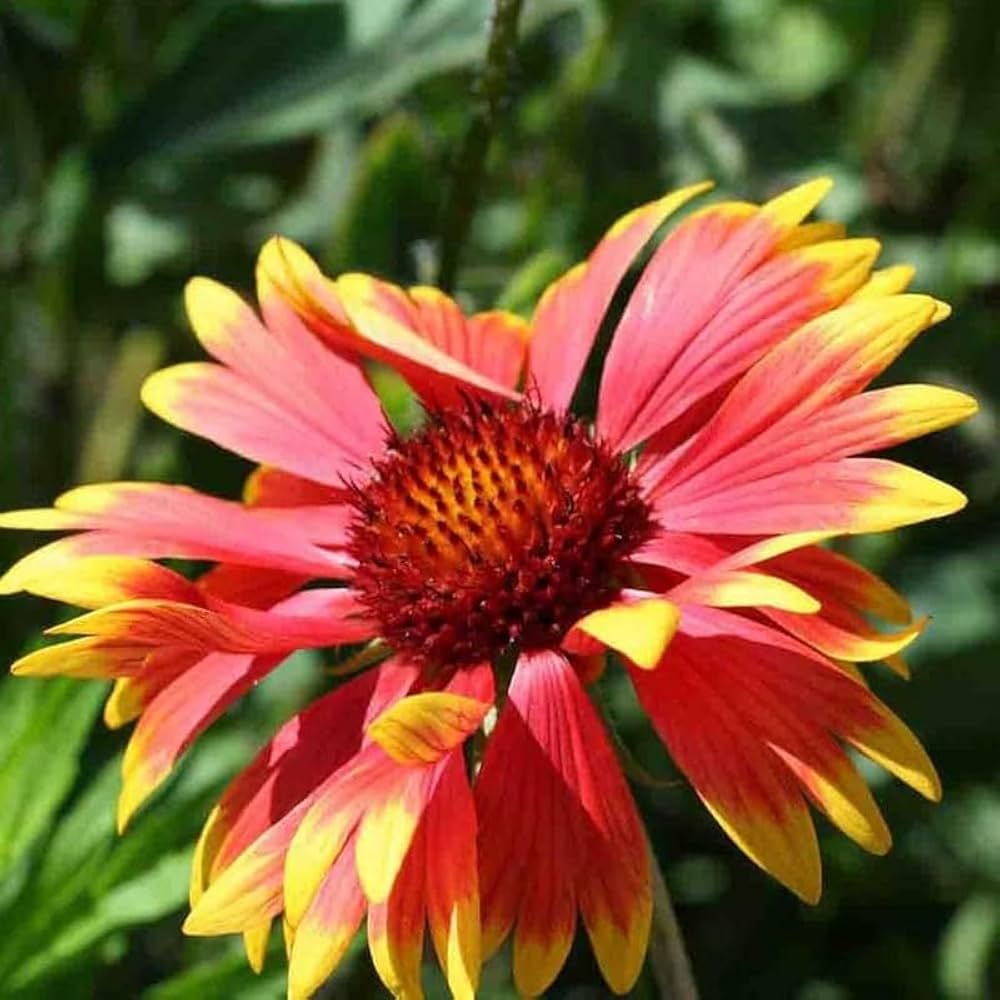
column 141, row 143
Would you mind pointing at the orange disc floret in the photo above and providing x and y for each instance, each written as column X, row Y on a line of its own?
column 495, row 526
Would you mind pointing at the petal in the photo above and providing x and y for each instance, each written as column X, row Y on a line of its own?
column 424, row 727
column 826, row 602
column 250, row 586
column 743, row 588
column 59, row 557
column 371, row 778
column 813, row 232
column 89, row 657
column 378, row 796
column 125, row 703
column 270, row 487
column 360, row 315
column 249, row 891
column 323, row 935
column 841, row 636
column 396, row 928
column 846, row 496
column 163, row 623
column 198, row 695
column 824, row 362
column 887, row 417
column 848, row 595
column 452, row 879
column 131, row 695
column 157, row 520
column 742, row 783
column 891, row 744
column 745, row 555
column 572, row 308
column 694, row 554
column 98, row 580
column 435, row 374
column 717, row 294
column 255, row 944
column 843, row 706
column 641, row 630
column 310, row 619
column 280, row 396
column 494, row 344
column 305, row 751
column 886, row 281
column 791, row 418
column 747, row 713
column 822, row 768
column 832, row 576
column 175, row 717
column 558, row 830
column 216, row 403
column 250, row 888
column 388, row 827
column 238, row 877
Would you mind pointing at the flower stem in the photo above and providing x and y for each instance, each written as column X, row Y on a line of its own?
column 668, row 958
column 467, row 174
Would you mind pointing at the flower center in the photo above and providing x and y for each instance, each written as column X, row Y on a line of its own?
column 494, row 526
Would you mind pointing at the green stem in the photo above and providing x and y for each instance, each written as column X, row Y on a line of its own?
column 668, row 958
column 467, row 174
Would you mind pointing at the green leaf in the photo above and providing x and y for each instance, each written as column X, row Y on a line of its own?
column 393, row 202
column 524, row 287
column 262, row 72
column 90, row 883
column 223, row 978
column 149, row 896
column 792, row 49
column 399, row 401
column 82, row 837
column 43, row 726
column 969, row 941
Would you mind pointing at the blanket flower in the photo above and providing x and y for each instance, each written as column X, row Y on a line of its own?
column 491, row 563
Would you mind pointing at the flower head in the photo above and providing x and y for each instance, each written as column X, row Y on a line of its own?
column 496, row 526
column 680, row 531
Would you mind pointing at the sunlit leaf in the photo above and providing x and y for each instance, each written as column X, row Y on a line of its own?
column 43, row 726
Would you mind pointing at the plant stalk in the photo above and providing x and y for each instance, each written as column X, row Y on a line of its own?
column 668, row 957
column 467, row 173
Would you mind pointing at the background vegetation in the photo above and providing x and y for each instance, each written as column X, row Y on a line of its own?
column 144, row 142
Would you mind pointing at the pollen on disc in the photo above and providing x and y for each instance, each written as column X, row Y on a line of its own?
column 493, row 526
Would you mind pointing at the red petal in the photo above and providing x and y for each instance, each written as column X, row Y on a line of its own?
column 558, row 830
column 749, row 714
column 452, row 878
column 396, row 927
column 239, row 873
column 493, row 343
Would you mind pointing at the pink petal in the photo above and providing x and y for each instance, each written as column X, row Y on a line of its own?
column 157, row 520
column 571, row 310
column 360, row 316
column 717, row 294
column 280, row 396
